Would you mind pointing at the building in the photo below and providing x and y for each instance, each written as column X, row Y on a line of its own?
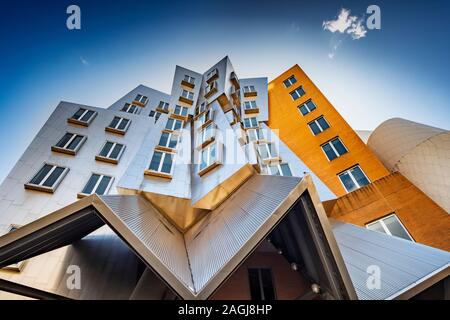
column 197, row 194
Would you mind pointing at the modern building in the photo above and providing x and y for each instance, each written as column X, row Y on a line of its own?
column 223, row 189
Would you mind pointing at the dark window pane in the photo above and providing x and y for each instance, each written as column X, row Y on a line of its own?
column 173, row 141
column 169, row 124
column 311, row 105
column 114, row 122
column 125, row 107
column 163, row 139
column 323, row 123
column 75, row 142
column 61, row 143
column 255, row 288
column 152, row 113
column 78, row 114
column 123, row 124
column 266, row 279
column 329, row 152
column 91, row 184
column 348, row 182
column 106, row 149
column 41, row 174
column 304, row 110
column 339, row 146
column 115, row 153
column 286, row 170
column 53, row 177
column 87, row 116
column 156, row 159
column 138, row 97
column 315, row 128
column 101, row 189
column 359, row 176
column 167, row 164
column 178, row 124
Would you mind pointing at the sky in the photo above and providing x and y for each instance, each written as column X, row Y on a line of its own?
column 400, row 70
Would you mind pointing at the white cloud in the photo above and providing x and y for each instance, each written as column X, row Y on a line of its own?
column 346, row 23
column 84, row 61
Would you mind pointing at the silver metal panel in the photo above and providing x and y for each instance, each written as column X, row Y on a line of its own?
column 403, row 264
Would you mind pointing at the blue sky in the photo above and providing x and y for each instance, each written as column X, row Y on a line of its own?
column 401, row 70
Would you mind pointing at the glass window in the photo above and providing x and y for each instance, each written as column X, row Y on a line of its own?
column 307, row 107
column 130, row 108
column 119, row 123
column 353, row 179
column 174, row 124
column 390, row 225
column 211, row 74
column 112, row 150
column 289, row 81
column 161, row 162
column 250, row 122
column 206, row 117
column 334, row 149
column 142, row 99
column 255, row 134
column 297, row 93
column 181, row 111
column 84, row 115
column 319, row 125
column 168, row 140
column 70, row 141
column 249, row 89
column 98, row 184
column 250, row 105
column 208, row 156
column 48, row 176
column 163, row 106
column 189, row 79
column 207, row 134
column 187, row 94
column 267, row 150
column 261, row 284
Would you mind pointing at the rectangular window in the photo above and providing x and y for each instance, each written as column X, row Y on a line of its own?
column 174, row 124
column 181, row 111
column 83, row 117
column 118, row 125
column 210, row 157
column 206, row 117
column 168, row 140
column 161, row 163
column 250, row 122
column 131, row 108
column 248, row 89
column 70, row 143
column 353, row 179
column 157, row 115
column 163, row 106
column 267, row 151
column 200, row 109
column 334, row 149
column 255, row 135
column 318, row 125
column 248, row 105
column 206, row 135
column 111, row 152
column 297, row 93
column 210, row 89
column 212, row 75
column 98, row 184
column 187, row 94
column 141, row 99
column 290, row 81
column 280, row 169
column 307, row 107
column 390, row 225
column 261, row 284
column 189, row 79
column 152, row 113
column 47, row 179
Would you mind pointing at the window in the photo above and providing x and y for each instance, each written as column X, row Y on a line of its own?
column 83, row 117
column 189, row 79
column 307, row 107
column 210, row 157
column 261, row 284
column 390, row 225
column 168, row 140
column 141, row 99
column 161, row 163
column 248, row 89
column 157, row 115
column 118, row 125
column 187, row 94
column 206, row 117
column 174, row 124
column 131, row 108
column 206, row 135
column 334, row 149
column 290, row 81
column 267, row 151
column 210, row 89
column 70, row 143
column 353, row 179
column 164, row 106
column 47, row 179
column 319, row 125
column 248, row 105
column 212, row 75
column 201, row 108
column 111, row 152
column 98, row 184
column 181, row 111
column 297, row 93
column 250, row 122
column 255, row 134
column 280, row 169
column 152, row 113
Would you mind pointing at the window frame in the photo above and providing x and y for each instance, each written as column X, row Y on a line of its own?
column 386, row 229
column 116, row 129
column 278, row 165
column 353, row 178
column 190, row 94
column 40, row 186
column 210, row 165
column 189, row 78
column 318, row 125
column 201, row 134
column 84, row 123
column 56, row 148
column 171, row 134
column 107, row 158
column 271, row 157
column 295, row 90
column 163, row 107
column 145, row 98
column 259, row 134
column 330, row 142
column 182, row 108
column 258, row 271
column 130, row 105
column 290, row 82
column 305, row 104
column 252, row 126
column 81, row 194
column 159, row 173
column 173, row 126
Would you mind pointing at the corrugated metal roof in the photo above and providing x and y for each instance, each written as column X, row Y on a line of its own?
column 403, row 264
